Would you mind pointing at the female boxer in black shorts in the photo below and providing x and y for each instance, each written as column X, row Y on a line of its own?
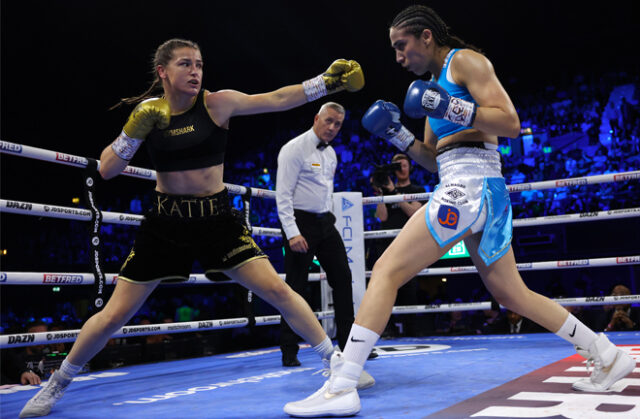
column 186, row 134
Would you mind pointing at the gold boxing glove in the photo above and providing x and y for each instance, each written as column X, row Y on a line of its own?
column 341, row 75
column 149, row 114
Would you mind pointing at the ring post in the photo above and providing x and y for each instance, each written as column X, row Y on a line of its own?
column 347, row 208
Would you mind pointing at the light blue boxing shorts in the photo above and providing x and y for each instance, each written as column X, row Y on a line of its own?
column 472, row 195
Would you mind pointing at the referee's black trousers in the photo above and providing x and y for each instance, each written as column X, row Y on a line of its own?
column 326, row 244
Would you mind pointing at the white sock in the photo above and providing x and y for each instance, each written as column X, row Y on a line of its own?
column 324, row 348
column 346, row 377
column 360, row 344
column 68, row 370
column 574, row 331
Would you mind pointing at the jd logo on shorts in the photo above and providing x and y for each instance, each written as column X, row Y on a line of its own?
column 448, row 217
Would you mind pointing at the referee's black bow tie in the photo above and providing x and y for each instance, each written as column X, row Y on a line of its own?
column 322, row 145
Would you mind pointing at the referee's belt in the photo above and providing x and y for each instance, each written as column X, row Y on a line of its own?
column 190, row 207
column 315, row 215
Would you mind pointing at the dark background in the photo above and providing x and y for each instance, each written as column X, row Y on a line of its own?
column 64, row 63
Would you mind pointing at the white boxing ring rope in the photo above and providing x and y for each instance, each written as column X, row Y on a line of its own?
column 71, row 213
column 519, row 187
column 55, row 211
column 27, row 339
column 77, row 161
column 78, row 278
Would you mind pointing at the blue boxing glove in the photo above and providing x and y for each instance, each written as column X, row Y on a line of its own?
column 382, row 119
column 428, row 98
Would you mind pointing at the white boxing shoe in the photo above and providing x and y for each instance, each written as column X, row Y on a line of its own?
column 42, row 403
column 365, row 381
column 325, row 402
column 610, row 364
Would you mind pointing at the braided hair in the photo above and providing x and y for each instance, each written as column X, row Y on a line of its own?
column 417, row 18
column 162, row 56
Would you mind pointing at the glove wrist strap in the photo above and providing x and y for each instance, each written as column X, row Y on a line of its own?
column 314, row 88
column 125, row 147
column 460, row 112
column 403, row 139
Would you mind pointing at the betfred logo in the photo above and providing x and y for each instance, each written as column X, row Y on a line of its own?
column 137, row 171
column 547, row 393
column 68, row 158
column 627, row 259
column 519, row 187
column 571, row 182
column 463, row 269
column 62, row 279
column 10, row 147
column 569, row 263
column 626, row 176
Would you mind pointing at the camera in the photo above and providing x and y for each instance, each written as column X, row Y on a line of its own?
column 382, row 172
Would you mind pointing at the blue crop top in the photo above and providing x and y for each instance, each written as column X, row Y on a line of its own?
column 441, row 127
column 191, row 141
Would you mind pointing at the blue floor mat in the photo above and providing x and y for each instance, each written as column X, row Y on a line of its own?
column 438, row 377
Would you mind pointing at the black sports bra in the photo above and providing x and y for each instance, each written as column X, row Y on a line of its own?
column 191, row 141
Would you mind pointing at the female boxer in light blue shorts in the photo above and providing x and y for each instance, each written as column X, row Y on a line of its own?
column 467, row 110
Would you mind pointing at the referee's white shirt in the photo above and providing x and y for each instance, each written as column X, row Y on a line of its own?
column 304, row 180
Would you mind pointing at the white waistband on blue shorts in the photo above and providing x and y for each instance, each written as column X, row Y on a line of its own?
column 470, row 162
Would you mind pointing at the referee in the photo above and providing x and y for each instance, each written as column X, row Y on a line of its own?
column 304, row 185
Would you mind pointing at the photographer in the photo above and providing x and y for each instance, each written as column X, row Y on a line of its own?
column 623, row 317
column 394, row 216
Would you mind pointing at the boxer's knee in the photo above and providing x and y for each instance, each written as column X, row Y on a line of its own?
column 278, row 292
column 384, row 274
column 111, row 320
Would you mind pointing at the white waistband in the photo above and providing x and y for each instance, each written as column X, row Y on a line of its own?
column 466, row 161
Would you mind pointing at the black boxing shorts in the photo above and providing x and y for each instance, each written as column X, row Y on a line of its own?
column 178, row 230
